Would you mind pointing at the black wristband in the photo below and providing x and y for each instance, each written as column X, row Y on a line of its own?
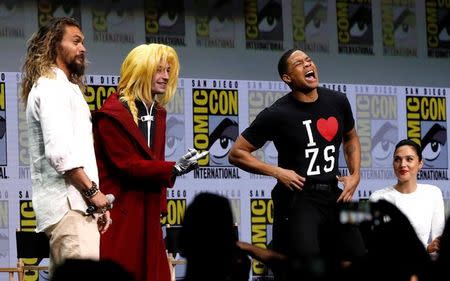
column 91, row 192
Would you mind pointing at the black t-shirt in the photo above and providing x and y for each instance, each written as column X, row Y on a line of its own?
column 307, row 136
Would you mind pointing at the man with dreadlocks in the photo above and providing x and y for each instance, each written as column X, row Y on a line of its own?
column 63, row 165
column 129, row 137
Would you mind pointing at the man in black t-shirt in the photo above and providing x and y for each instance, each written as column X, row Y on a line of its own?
column 307, row 127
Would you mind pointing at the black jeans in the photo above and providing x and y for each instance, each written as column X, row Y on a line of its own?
column 306, row 226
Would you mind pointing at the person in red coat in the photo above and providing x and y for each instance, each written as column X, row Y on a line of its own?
column 129, row 138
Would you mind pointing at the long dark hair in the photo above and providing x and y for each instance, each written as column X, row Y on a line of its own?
column 42, row 52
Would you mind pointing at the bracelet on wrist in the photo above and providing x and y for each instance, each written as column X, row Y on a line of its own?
column 91, row 192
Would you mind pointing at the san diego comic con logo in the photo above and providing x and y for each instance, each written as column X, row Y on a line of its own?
column 176, row 207
column 377, row 125
column 426, row 115
column 112, row 23
column 354, row 27
column 98, row 89
column 438, row 30
column 214, row 24
column 11, row 19
column 164, row 22
column 261, row 222
column 175, row 212
column 3, row 142
column 28, row 223
column 263, row 24
column 309, row 25
column 399, row 28
column 215, row 128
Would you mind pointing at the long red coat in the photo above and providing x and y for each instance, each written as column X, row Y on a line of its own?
column 137, row 176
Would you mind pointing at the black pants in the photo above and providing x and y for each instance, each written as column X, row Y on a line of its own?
column 306, row 226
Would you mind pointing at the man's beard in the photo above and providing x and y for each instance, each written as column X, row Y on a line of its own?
column 76, row 68
column 73, row 66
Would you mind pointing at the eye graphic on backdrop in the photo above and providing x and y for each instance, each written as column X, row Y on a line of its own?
column 221, row 140
column 216, row 23
column 219, row 25
column 168, row 18
column 169, row 13
column 2, row 127
column 315, row 19
column 383, row 149
column 115, row 17
column 433, row 143
column 383, row 145
column 221, row 19
column 7, row 9
column 174, row 138
column 404, row 25
column 63, row 11
column 444, row 34
column 359, row 22
column 269, row 16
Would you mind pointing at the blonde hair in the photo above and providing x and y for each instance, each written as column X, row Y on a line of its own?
column 137, row 72
column 41, row 54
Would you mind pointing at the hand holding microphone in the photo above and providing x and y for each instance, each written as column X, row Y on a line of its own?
column 92, row 208
column 188, row 162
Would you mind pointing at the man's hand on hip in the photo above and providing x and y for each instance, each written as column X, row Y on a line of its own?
column 289, row 178
column 350, row 184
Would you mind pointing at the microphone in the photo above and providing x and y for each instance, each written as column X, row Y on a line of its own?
column 91, row 208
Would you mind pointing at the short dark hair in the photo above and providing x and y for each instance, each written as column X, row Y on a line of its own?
column 411, row 143
column 282, row 63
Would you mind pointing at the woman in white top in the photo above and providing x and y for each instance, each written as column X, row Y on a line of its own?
column 421, row 203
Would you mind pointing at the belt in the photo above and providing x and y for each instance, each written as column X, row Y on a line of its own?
column 320, row 186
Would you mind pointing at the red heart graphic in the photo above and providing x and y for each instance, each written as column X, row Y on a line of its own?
column 327, row 127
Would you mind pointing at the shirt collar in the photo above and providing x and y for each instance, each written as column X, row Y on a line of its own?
column 60, row 75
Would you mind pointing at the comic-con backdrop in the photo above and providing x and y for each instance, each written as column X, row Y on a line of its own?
column 409, row 41
column 213, row 37
column 209, row 114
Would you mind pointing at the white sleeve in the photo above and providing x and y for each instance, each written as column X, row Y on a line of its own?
column 374, row 197
column 55, row 113
column 438, row 219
